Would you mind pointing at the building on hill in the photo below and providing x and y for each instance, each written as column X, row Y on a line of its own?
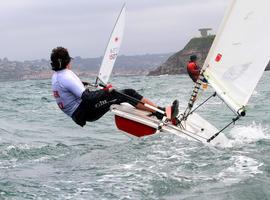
column 204, row 31
column 176, row 64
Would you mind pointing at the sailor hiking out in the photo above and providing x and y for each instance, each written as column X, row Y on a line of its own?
column 84, row 104
column 193, row 69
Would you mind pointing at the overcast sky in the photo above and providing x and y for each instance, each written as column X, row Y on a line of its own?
column 31, row 28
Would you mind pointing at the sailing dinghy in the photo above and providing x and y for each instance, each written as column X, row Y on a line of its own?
column 112, row 49
column 233, row 67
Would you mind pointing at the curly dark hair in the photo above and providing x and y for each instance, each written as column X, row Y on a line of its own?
column 59, row 58
column 193, row 58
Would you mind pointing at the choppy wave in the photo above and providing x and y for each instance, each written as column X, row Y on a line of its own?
column 250, row 133
column 44, row 155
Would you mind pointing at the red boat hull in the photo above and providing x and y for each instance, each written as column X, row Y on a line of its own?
column 134, row 128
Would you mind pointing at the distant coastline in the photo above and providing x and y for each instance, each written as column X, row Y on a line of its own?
column 40, row 69
column 148, row 64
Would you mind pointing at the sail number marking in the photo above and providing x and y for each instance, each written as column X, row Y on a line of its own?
column 113, row 53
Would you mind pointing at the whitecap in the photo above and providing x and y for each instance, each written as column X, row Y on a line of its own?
column 242, row 168
column 248, row 134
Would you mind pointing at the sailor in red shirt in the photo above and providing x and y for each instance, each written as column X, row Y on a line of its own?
column 193, row 69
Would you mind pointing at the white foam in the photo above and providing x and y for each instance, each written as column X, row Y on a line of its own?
column 42, row 159
column 20, row 147
column 248, row 134
column 242, row 167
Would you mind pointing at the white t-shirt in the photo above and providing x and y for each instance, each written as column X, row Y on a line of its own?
column 67, row 90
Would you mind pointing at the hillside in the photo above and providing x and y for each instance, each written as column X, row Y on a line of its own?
column 149, row 64
column 176, row 64
column 40, row 69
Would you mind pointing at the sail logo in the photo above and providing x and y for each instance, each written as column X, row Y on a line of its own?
column 236, row 71
column 218, row 57
column 113, row 53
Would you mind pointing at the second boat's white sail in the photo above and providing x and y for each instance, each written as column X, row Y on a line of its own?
column 240, row 52
column 113, row 48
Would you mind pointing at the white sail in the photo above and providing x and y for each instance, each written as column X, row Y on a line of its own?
column 240, row 52
column 113, row 48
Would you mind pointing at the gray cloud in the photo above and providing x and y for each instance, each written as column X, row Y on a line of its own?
column 30, row 28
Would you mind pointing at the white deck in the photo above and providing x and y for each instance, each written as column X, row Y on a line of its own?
column 195, row 128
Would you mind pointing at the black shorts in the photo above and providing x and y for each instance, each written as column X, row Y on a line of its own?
column 96, row 103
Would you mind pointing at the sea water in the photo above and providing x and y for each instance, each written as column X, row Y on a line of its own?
column 44, row 155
